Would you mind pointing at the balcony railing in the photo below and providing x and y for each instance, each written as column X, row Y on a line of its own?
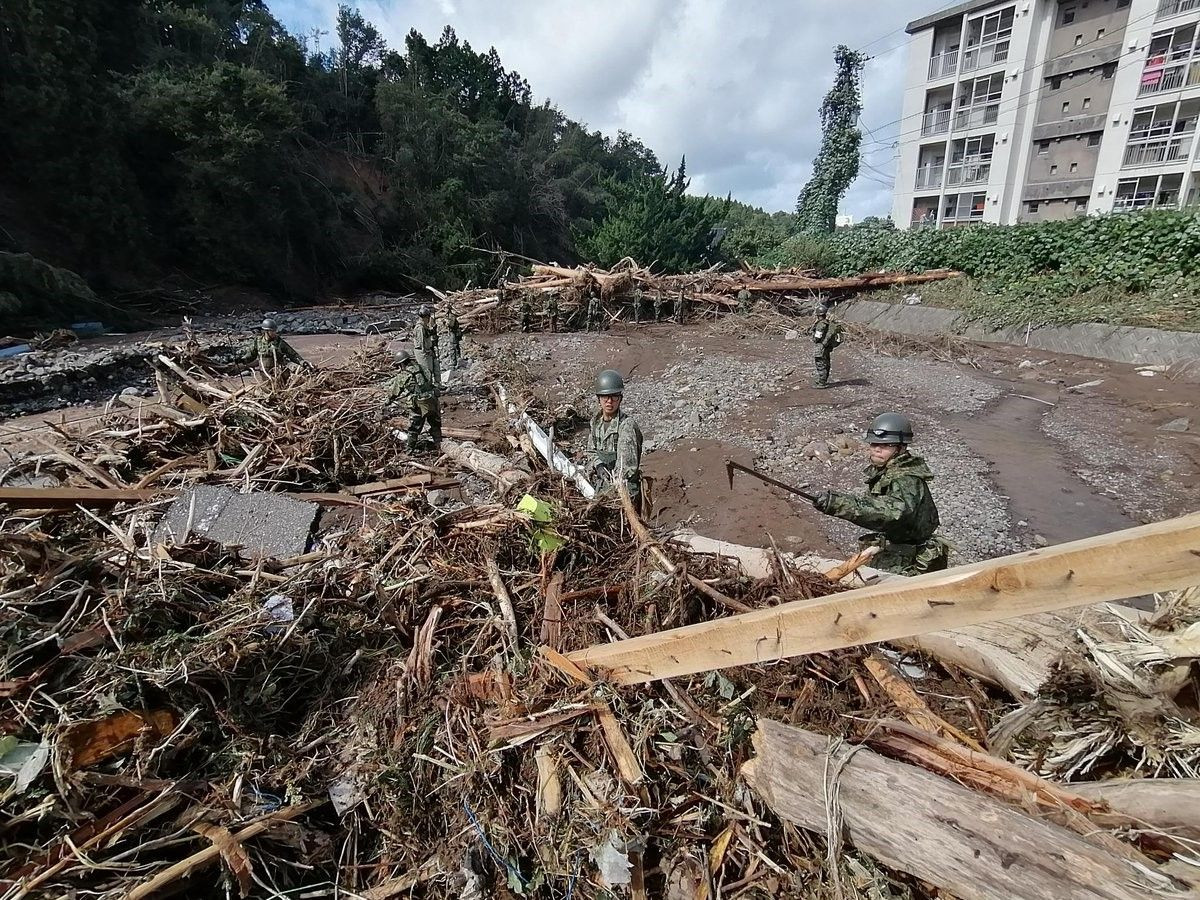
column 1136, row 202
column 1175, row 7
column 976, row 116
column 1170, row 75
column 986, row 55
column 943, row 64
column 1164, row 150
column 924, row 218
column 972, row 172
column 935, row 122
column 928, row 177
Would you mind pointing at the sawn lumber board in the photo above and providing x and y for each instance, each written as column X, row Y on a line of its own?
column 1158, row 557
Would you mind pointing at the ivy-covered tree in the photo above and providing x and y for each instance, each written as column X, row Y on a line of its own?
column 836, row 165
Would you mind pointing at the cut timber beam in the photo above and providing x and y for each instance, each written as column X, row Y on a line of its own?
column 1163, row 556
column 964, row 842
column 70, row 497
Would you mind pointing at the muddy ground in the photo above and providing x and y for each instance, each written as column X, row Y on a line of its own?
column 1021, row 457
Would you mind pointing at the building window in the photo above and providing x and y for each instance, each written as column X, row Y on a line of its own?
column 1109, row 71
column 1078, row 40
column 1087, row 103
column 1054, row 170
column 1043, row 148
column 1093, row 140
column 1121, row 4
column 1099, row 33
column 1055, row 83
column 1074, row 167
column 1066, row 107
column 1080, row 204
column 1068, row 15
column 1031, row 206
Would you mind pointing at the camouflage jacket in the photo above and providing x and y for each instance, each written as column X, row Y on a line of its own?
column 830, row 336
column 411, row 385
column 897, row 506
column 425, row 339
column 453, row 326
column 615, row 450
column 550, row 305
column 270, row 352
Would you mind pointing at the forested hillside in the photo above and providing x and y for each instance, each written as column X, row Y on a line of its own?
column 197, row 142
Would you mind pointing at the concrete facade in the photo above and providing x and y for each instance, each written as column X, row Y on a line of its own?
column 1029, row 110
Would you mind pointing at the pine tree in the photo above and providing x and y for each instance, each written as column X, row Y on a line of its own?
column 836, row 165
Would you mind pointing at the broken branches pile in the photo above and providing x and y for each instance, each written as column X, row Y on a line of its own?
column 708, row 292
column 389, row 712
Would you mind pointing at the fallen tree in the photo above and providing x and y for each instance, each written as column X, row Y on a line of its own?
column 964, row 842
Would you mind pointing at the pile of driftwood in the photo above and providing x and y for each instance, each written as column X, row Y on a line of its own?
column 709, row 292
column 438, row 698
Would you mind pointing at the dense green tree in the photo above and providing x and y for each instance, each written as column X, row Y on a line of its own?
column 836, row 164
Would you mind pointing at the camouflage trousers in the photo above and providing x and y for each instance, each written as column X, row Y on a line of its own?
column 821, row 367
column 455, row 350
column 431, row 364
column 424, row 412
column 932, row 555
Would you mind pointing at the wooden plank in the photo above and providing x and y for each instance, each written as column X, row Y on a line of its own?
column 964, row 842
column 1159, row 557
column 69, row 497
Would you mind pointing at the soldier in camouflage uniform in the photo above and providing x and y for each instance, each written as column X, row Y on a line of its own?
column 637, row 306
column 454, row 330
column 826, row 335
column 614, row 441
column 898, row 506
column 271, row 353
column 425, row 344
column 550, row 312
column 659, row 304
column 680, row 309
column 413, row 388
column 526, row 314
column 595, row 312
column 744, row 302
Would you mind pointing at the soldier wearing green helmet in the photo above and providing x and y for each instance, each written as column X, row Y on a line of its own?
column 898, row 507
column 615, row 441
column 425, row 344
column 271, row 353
column 412, row 388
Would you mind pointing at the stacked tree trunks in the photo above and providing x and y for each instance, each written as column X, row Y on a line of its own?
column 709, row 292
column 398, row 710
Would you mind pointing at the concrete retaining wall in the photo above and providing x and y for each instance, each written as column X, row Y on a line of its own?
column 1119, row 343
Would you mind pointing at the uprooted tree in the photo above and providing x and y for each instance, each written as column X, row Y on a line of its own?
column 836, row 165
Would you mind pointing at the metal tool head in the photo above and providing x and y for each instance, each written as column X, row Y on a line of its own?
column 730, row 468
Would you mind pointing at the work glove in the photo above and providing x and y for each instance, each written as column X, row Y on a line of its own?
column 823, row 501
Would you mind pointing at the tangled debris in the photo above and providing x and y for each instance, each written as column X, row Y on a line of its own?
column 389, row 713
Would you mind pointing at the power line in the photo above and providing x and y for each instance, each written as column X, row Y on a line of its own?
column 953, row 3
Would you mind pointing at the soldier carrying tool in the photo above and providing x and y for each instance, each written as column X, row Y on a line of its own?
column 826, row 335
column 637, row 306
column 425, row 344
column 614, row 441
column 659, row 304
column 898, row 507
column 550, row 312
column 454, row 330
column 271, row 353
column 413, row 388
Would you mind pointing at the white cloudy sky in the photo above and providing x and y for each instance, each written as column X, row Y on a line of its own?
column 734, row 84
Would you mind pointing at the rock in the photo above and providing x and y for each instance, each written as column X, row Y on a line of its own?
column 1086, row 384
column 1025, row 364
column 1040, row 540
column 792, row 335
column 963, row 360
column 1181, row 424
column 437, row 497
column 693, row 418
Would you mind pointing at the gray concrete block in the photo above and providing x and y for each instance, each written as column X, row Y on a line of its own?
column 266, row 525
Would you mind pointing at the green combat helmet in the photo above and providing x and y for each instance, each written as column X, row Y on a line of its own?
column 404, row 356
column 889, row 428
column 609, row 383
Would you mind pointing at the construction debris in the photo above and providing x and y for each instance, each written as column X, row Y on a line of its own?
column 398, row 705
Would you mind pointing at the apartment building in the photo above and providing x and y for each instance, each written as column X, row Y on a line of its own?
column 1046, row 109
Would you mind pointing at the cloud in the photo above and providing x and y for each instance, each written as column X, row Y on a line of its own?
column 734, row 84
